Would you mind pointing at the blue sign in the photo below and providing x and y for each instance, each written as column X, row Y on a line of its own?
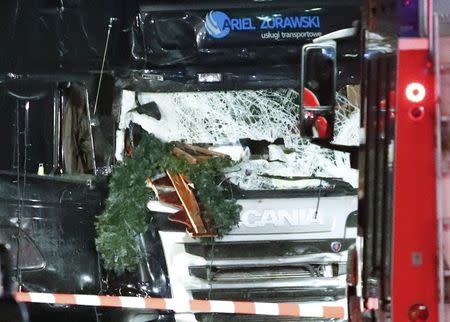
column 219, row 25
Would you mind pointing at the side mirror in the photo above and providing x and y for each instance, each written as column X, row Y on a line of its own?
column 318, row 90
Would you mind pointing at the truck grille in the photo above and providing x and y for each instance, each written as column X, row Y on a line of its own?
column 242, row 274
column 276, row 271
column 282, row 294
column 261, row 250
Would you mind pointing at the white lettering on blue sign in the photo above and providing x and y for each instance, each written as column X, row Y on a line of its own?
column 218, row 24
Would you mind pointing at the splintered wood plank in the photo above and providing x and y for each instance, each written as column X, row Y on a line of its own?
column 202, row 158
column 160, row 186
column 182, row 218
column 171, row 197
column 206, row 151
column 208, row 234
column 181, row 153
column 163, row 182
column 149, row 183
column 189, row 202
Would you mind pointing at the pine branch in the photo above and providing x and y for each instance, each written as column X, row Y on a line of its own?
column 126, row 215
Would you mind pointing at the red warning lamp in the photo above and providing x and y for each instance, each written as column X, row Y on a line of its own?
column 415, row 92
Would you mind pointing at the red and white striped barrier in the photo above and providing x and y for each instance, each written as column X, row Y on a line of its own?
column 331, row 310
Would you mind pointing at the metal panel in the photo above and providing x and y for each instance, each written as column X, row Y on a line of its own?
column 415, row 246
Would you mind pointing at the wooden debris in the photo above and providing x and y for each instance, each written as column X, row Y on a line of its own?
column 189, row 202
column 175, row 193
column 187, row 151
column 181, row 153
column 203, row 150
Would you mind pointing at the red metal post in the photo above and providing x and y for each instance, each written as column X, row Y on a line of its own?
column 415, row 262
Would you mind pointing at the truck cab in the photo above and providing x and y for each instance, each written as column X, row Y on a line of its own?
column 238, row 78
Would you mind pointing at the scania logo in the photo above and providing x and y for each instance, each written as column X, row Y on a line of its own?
column 216, row 24
column 336, row 246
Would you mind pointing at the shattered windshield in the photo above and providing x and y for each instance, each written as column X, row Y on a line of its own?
column 257, row 129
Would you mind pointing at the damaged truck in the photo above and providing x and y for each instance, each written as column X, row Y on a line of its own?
column 263, row 85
